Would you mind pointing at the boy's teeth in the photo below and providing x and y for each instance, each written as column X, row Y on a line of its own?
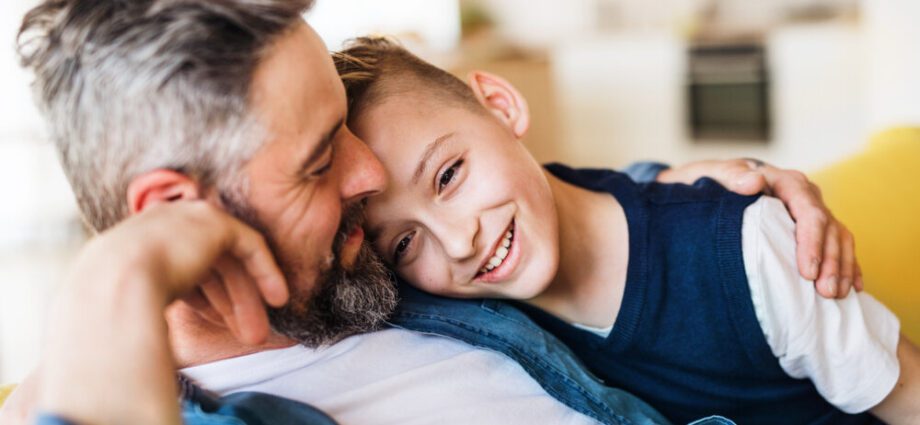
column 500, row 254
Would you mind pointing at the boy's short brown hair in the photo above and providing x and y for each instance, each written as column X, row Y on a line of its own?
column 374, row 68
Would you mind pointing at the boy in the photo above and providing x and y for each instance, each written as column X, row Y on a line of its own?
column 688, row 297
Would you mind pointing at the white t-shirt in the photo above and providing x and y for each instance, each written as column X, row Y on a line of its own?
column 394, row 377
column 847, row 347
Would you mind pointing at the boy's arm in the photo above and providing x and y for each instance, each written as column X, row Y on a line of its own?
column 902, row 406
column 847, row 347
column 825, row 251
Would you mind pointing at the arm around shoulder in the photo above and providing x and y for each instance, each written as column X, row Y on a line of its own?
column 847, row 347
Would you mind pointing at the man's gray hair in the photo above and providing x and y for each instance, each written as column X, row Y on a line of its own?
column 129, row 86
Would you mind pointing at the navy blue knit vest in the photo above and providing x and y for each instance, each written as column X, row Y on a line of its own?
column 686, row 339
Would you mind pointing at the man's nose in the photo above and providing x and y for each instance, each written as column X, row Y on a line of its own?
column 362, row 173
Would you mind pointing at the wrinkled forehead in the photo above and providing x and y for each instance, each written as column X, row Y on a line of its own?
column 295, row 87
column 298, row 100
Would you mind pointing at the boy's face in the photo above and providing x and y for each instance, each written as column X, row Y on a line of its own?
column 469, row 212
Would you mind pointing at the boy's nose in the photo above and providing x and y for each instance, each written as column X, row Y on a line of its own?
column 363, row 174
column 457, row 235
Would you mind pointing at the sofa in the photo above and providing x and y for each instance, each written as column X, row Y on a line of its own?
column 876, row 193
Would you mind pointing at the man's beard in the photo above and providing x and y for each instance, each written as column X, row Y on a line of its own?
column 342, row 302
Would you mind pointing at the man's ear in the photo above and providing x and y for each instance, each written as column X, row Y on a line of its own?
column 501, row 99
column 154, row 187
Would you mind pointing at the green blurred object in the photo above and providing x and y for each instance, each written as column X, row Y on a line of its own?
column 474, row 18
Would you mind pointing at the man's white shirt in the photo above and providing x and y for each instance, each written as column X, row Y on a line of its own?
column 394, row 377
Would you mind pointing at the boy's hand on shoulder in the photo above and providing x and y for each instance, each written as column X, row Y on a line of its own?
column 825, row 250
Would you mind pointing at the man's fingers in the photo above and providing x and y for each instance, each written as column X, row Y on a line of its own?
column 804, row 205
column 810, row 238
column 246, row 303
column 847, row 262
column 197, row 301
column 749, row 183
column 858, row 280
column 250, row 249
column 829, row 277
column 213, row 289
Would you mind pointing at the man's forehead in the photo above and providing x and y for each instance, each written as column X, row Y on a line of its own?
column 296, row 93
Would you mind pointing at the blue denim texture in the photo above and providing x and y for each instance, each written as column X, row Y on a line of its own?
column 246, row 408
column 200, row 407
column 498, row 326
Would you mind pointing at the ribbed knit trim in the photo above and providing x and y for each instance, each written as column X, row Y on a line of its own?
column 734, row 280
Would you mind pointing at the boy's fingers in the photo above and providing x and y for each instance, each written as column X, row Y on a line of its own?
column 246, row 303
column 829, row 277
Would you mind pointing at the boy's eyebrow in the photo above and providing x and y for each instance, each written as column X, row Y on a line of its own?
column 426, row 156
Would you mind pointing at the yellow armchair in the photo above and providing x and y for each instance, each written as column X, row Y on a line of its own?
column 877, row 195
column 5, row 391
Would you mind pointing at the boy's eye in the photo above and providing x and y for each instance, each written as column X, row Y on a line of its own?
column 448, row 175
column 402, row 247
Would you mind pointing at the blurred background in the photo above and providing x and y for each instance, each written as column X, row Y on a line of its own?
column 799, row 83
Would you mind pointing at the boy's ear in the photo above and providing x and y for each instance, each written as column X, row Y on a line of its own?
column 159, row 186
column 501, row 99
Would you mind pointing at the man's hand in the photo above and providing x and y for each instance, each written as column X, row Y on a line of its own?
column 107, row 356
column 825, row 248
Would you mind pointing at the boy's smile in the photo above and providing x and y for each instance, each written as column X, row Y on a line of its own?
column 469, row 212
column 500, row 264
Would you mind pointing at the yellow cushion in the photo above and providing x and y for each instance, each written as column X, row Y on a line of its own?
column 5, row 391
column 877, row 195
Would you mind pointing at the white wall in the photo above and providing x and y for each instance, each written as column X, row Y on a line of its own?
column 893, row 61
column 434, row 24
column 622, row 98
column 38, row 218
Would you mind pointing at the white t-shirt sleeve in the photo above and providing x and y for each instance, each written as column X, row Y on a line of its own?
column 847, row 347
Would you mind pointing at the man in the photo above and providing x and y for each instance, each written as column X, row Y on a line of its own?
column 205, row 140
